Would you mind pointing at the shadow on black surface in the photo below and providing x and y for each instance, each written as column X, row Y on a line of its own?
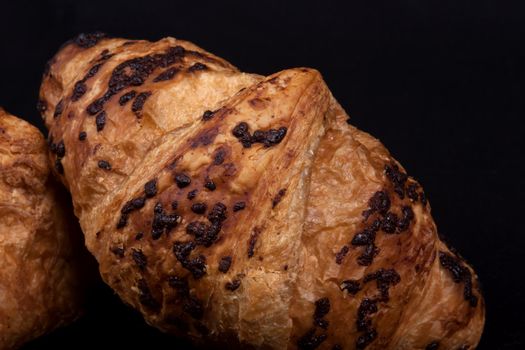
column 107, row 324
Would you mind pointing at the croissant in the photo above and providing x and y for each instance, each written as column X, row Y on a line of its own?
column 242, row 210
column 41, row 273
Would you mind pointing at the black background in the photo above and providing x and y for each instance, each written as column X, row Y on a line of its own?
column 440, row 84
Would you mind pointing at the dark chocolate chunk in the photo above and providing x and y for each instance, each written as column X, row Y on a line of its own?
column 225, row 263
column 79, row 90
column 432, row 346
column 60, row 149
column 379, row 202
column 217, row 213
column 341, row 254
column 150, row 188
column 411, row 192
column 123, row 221
column 162, row 222
column 197, row 67
column 366, row 258
column 139, row 236
column 384, row 279
column 310, row 341
column 192, row 194
column 278, row 197
column 41, row 106
column 182, row 250
column 397, row 178
column 174, row 205
column 252, row 241
column 125, row 98
column 193, row 307
column 364, row 340
column 207, row 115
column 322, row 307
column 218, row 158
column 389, row 223
column 168, row 74
column 180, row 284
column 210, row 185
column 239, row 206
column 138, row 103
column 103, row 164
column 404, row 223
column 233, row 285
column 82, row 135
column 240, row 131
column 145, row 296
column 59, row 109
column 198, row 208
column 139, row 258
column 118, row 251
column 182, row 180
column 89, row 40
column 101, row 121
column 351, row 286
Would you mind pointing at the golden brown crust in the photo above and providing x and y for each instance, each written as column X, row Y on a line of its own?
column 40, row 285
column 240, row 209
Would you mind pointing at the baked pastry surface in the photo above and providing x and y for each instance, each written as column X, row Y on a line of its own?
column 41, row 280
column 240, row 209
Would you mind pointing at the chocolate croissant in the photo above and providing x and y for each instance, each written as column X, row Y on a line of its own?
column 41, row 258
column 238, row 209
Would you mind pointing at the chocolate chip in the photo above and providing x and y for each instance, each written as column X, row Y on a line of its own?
column 217, row 213
column 379, row 202
column 145, row 296
column 125, row 98
column 102, row 164
column 182, row 180
column 79, row 90
column 432, row 346
column 150, row 188
column 278, row 197
column 341, row 254
column 198, row 208
column 252, row 241
column 366, row 258
column 60, row 149
column 197, row 67
column 139, row 236
column 233, row 285
column 225, row 263
column 239, row 206
column 310, row 341
column 41, row 106
column 166, row 75
column 322, row 307
column 101, row 121
column 389, row 223
column 59, row 109
column 88, row 40
column 82, row 135
column 210, row 185
column 193, row 307
column 207, row 115
column 139, row 258
column 192, row 194
column 118, row 251
column 351, row 286
column 138, row 103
